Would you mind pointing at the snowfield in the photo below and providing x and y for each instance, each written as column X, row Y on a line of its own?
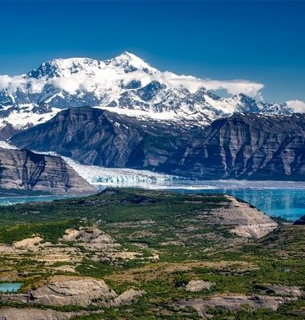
column 128, row 85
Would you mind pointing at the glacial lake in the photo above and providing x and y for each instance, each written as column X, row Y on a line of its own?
column 10, row 286
column 9, row 200
column 276, row 198
column 286, row 203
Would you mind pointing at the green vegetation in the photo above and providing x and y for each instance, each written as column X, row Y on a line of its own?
column 50, row 231
column 179, row 230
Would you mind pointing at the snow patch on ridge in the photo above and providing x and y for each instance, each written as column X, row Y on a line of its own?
column 6, row 145
column 24, row 116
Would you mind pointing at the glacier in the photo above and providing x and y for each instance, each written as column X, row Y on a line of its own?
column 100, row 176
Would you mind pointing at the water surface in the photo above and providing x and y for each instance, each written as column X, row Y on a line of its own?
column 9, row 200
column 10, row 286
column 285, row 199
column 286, row 203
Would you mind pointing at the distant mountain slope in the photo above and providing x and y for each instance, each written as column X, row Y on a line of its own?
column 300, row 221
column 25, row 170
column 125, row 84
column 98, row 137
column 249, row 147
column 241, row 146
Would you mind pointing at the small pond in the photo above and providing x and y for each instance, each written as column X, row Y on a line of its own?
column 10, row 286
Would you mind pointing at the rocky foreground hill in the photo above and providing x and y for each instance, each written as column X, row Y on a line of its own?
column 25, row 170
column 243, row 146
column 139, row 254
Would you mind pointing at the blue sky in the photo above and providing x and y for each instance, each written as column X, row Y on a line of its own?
column 261, row 41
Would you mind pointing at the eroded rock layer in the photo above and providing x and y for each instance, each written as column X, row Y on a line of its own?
column 25, row 170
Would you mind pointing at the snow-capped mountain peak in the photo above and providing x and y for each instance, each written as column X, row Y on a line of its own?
column 130, row 63
column 125, row 84
column 69, row 67
column 64, row 68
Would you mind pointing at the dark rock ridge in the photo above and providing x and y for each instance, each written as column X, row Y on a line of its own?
column 7, row 131
column 243, row 146
column 98, row 137
column 248, row 146
column 25, row 170
column 300, row 222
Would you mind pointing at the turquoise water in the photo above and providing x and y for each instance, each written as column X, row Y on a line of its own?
column 4, row 201
column 276, row 198
column 284, row 199
column 286, row 203
column 10, row 286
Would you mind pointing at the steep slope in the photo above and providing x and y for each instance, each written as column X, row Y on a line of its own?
column 241, row 146
column 125, row 84
column 25, row 170
column 14, row 118
column 98, row 137
column 300, row 221
column 249, row 147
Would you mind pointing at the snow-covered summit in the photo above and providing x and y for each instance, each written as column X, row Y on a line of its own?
column 64, row 68
column 124, row 84
column 130, row 62
column 71, row 67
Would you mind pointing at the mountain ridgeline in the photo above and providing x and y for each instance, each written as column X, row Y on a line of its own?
column 123, row 113
column 243, row 146
column 125, row 84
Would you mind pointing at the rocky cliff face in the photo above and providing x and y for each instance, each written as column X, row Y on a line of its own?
column 25, row 170
column 7, row 131
column 244, row 146
column 249, row 147
column 99, row 137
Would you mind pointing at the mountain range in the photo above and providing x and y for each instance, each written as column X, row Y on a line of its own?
column 123, row 113
column 125, row 84
column 243, row 146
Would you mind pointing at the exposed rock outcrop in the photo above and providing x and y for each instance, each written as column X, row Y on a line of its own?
column 248, row 146
column 99, row 137
column 30, row 244
column 233, row 303
column 69, row 290
column 61, row 292
column 7, row 131
column 91, row 238
column 199, row 285
column 281, row 290
column 8, row 313
column 247, row 221
column 128, row 296
column 25, row 170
